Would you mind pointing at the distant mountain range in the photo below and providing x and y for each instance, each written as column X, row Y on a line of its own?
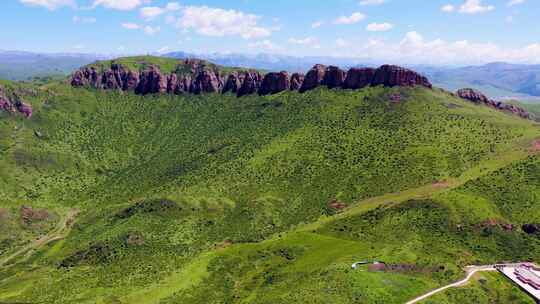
column 498, row 80
column 16, row 65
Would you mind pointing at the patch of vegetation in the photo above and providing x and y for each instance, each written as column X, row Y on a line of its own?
column 200, row 188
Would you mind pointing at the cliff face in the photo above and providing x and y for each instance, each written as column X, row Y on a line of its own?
column 14, row 105
column 479, row 98
column 201, row 79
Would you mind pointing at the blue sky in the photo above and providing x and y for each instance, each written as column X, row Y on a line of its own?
column 399, row 31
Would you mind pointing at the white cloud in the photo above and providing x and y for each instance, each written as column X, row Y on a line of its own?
column 266, row 45
column 379, row 27
column 372, row 2
column 317, row 24
column 130, row 26
column 515, row 2
column 173, row 6
column 49, row 4
column 449, row 8
column 218, row 22
column 475, row 7
column 149, row 30
column 340, row 42
column 79, row 46
column 123, row 5
column 150, row 12
column 354, row 18
column 83, row 20
column 414, row 49
column 304, row 41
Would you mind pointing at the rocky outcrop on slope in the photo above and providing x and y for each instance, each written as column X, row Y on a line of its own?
column 274, row 83
column 14, row 104
column 197, row 77
column 479, row 98
column 392, row 76
column 358, row 78
column 314, row 78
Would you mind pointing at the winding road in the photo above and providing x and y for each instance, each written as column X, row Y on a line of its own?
column 59, row 232
column 471, row 271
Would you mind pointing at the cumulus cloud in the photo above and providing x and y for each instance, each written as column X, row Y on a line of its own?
column 414, row 49
column 449, row 8
column 218, row 22
column 372, row 2
column 317, row 24
column 150, row 12
column 83, row 20
column 352, row 19
column 475, row 7
column 149, row 30
column 340, row 42
column 302, row 41
column 130, row 26
column 515, row 2
column 379, row 27
column 123, row 5
column 49, row 4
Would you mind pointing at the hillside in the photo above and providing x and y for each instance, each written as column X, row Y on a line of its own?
column 27, row 65
column 211, row 198
column 497, row 79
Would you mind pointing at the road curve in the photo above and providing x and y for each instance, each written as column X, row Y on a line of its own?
column 471, row 271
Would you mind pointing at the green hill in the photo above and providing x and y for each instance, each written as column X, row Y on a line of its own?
column 219, row 199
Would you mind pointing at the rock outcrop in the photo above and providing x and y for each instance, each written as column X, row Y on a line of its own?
column 198, row 77
column 479, row 98
column 251, row 85
column 358, row 78
column 14, row 104
column 207, row 82
column 233, row 83
column 274, row 83
column 392, row 76
column 314, row 78
column 297, row 80
column 151, row 82
column 333, row 77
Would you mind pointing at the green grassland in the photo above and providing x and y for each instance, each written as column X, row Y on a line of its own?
column 166, row 65
column 218, row 199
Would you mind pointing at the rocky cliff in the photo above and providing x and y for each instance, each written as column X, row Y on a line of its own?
column 201, row 79
column 479, row 98
column 14, row 104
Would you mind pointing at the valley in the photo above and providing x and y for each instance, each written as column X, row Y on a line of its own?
column 209, row 196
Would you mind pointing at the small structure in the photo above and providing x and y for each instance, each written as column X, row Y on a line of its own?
column 525, row 275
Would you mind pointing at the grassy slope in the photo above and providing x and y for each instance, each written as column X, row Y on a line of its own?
column 239, row 171
column 166, row 65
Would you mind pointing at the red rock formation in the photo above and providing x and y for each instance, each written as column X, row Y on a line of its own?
column 274, row 83
column 29, row 215
column 16, row 105
column 151, row 82
column 313, row 78
column 200, row 78
column 333, row 77
column 358, row 78
column 5, row 103
column 479, row 98
column 207, row 82
column 233, row 83
column 297, row 80
column 251, row 84
column 391, row 76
